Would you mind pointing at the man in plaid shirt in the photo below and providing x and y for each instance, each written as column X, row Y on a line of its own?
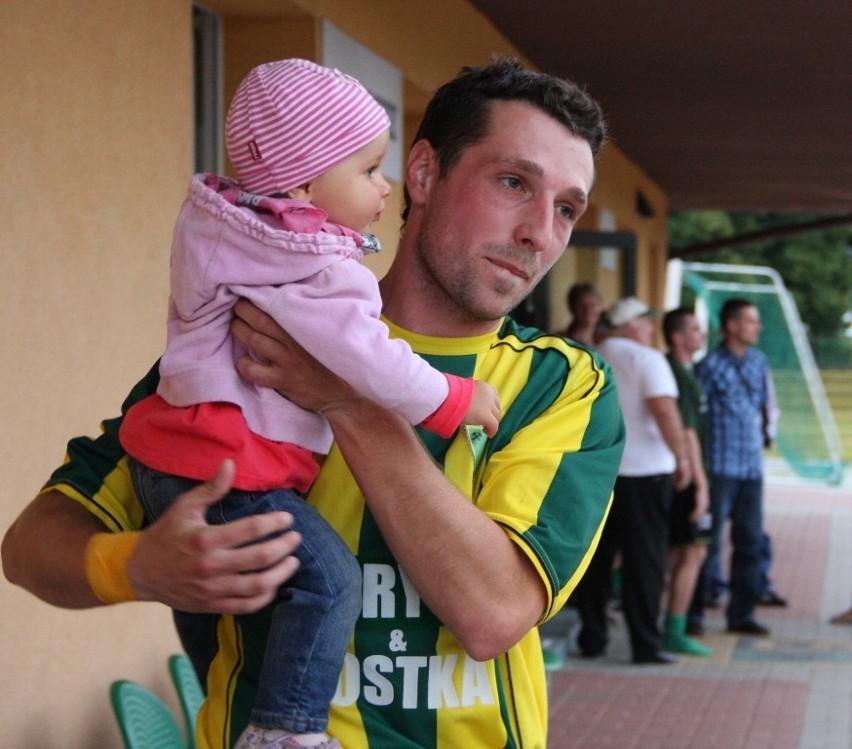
column 735, row 377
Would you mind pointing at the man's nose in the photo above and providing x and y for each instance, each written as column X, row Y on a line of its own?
column 535, row 230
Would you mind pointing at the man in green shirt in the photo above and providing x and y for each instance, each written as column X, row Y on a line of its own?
column 689, row 520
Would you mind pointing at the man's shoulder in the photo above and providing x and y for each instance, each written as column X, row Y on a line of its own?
column 536, row 362
column 614, row 346
column 678, row 368
column 757, row 356
column 626, row 349
column 714, row 358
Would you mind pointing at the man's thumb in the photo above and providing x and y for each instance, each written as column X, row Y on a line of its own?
column 217, row 487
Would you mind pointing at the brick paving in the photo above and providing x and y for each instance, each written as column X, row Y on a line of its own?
column 792, row 690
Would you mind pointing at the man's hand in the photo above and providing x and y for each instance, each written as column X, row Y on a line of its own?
column 285, row 366
column 186, row 563
column 702, row 502
column 702, row 489
column 682, row 475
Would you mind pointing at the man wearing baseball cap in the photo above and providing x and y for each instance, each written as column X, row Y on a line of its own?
column 654, row 462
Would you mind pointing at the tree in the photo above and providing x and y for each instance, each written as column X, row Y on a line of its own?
column 816, row 267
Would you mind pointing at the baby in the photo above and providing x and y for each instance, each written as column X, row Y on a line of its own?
column 307, row 144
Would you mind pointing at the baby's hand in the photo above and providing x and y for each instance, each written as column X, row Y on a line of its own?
column 484, row 409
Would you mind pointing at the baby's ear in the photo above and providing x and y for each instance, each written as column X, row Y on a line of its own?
column 302, row 192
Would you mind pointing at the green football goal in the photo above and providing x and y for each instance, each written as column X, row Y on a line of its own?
column 807, row 436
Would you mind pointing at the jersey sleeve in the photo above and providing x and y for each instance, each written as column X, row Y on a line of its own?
column 95, row 474
column 551, row 486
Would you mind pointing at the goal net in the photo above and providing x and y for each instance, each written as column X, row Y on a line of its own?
column 807, row 434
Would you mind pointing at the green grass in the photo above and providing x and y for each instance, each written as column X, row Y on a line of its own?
column 838, row 388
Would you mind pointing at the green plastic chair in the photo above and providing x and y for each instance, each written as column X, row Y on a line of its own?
column 553, row 651
column 145, row 722
column 189, row 693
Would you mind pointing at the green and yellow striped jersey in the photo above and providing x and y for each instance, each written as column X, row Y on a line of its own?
column 546, row 477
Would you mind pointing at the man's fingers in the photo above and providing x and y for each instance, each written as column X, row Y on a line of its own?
column 246, row 551
column 254, row 578
column 255, row 328
column 250, row 543
column 249, row 593
column 256, row 372
column 254, row 317
column 259, row 369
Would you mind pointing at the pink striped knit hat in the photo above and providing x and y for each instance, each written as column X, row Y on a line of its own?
column 292, row 120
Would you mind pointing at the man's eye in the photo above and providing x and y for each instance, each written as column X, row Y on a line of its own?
column 512, row 183
column 566, row 210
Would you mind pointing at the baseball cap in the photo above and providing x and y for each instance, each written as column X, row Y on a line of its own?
column 628, row 309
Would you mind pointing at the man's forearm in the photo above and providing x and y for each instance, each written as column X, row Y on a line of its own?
column 462, row 563
column 665, row 413
column 179, row 560
column 695, row 457
column 44, row 551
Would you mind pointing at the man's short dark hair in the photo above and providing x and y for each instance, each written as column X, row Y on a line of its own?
column 674, row 321
column 731, row 310
column 457, row 117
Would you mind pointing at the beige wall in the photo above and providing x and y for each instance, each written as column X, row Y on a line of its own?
column 95, row 152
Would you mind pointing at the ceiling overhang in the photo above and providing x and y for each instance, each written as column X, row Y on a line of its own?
column 724, row 104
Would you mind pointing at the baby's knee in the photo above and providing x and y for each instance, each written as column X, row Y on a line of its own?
column 346, row 585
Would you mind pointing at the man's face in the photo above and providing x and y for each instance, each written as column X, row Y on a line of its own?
column 745, row 328
column 494, row 225
column 693, row 336
column 589, row 308
column 641, row 330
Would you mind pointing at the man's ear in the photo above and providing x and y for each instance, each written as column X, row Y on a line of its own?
column 303, row 192
column 421, row 171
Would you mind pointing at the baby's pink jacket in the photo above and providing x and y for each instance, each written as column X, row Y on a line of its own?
column 313, row 284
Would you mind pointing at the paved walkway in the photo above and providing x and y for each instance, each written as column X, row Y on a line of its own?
column 792, row 690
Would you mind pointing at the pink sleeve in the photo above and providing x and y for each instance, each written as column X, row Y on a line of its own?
column 447, row 418
column 335, row 316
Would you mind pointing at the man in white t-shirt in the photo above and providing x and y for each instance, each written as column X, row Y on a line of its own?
column 654, row 462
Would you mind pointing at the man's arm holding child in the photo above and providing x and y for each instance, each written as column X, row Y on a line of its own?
column 462, row 563
column 179, row 560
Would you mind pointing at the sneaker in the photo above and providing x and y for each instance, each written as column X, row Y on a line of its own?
column 752, row 628
column 660, row 658
column 684, row 645
column 291, row 742
column 255, row 737
column 712, row 600
column 695, row 628
column 771, row 598
column 844, row 618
